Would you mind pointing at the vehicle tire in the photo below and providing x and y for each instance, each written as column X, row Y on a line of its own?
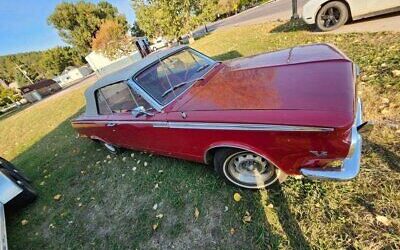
column 331, row 16
column 111, row 148
column 27, row 196
column 245, row 169
column 10, row 167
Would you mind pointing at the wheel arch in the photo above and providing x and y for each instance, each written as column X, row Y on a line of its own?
column 211, row 150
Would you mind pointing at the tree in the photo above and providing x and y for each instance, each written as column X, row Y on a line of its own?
column 77, row 23
column 136, row 31
column 112, row 41
column 55, row 60
column 228, row 6
column 7, row 96
column 172, row 18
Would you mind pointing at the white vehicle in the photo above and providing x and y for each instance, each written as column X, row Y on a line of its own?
column 329, row 15
column 160, row 43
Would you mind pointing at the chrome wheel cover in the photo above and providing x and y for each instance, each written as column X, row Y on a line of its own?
column 110, row 148
column 249, row 170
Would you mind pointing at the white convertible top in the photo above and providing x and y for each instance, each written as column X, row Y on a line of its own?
column 124, row 74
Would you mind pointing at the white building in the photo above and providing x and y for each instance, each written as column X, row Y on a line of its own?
column 71, row 75
column 103, row 66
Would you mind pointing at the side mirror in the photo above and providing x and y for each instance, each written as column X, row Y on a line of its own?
column 140, row 110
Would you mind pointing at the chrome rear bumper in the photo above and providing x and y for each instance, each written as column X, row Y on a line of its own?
column 351, row 164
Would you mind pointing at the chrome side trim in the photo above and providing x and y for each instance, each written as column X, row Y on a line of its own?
column 244, row 126
column 351, row 164
column 219, row 126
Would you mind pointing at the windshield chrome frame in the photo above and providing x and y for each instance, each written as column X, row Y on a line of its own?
column 154, row 103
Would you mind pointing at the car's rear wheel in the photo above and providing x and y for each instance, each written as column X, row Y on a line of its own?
column 111, row 148
column 245, row 169
column 332, row 15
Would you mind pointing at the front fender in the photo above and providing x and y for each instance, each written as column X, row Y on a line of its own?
column 310, row 10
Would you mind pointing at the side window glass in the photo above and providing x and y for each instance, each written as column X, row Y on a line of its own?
column 102, row 106
column 118, row 98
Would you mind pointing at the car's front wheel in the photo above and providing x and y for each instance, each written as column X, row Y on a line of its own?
column 332, row 15
column 245, row 169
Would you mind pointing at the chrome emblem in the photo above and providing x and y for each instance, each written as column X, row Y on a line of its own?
column 319, row 153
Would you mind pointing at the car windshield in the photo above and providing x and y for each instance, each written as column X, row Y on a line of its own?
column 171, row 76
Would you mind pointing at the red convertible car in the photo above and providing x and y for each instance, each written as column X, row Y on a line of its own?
column 256, row 119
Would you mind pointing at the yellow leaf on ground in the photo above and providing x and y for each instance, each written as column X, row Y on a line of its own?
column 382, row 219
column 24, row 222
column 57, row 197
column 155, row 226
column 237, row 197
column 196, row 213
column 232, row 231
column 246, row 217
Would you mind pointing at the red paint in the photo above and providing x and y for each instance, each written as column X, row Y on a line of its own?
column 305, row 86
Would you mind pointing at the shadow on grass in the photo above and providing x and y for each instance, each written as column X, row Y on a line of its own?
column 227, row 55
column 286, row 218
column 391, row 158
column 292, row 26
column 114, row 207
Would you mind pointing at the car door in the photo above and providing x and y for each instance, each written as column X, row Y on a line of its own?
column 134, row 131
column 381, row 5
column 363, row 8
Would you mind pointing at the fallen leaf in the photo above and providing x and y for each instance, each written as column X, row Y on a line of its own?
column 134, row 168
column 226, row 208
column 132, row 155
column 270, row 205
column 232, row 231
column 24, row 222
column 123, row 158
column 382, row 219
column 246, row 217
column 160, row 171
column 159, row 216
column 237, row 197
column 57, row 197
column 42, row 183
column 155, row 206
column 196, row 213
column 108, row 156
column 155, row 226
column 145, row 164
column 138, row 162
column 156, row 186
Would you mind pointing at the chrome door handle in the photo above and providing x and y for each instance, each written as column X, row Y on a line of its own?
column 111, row 124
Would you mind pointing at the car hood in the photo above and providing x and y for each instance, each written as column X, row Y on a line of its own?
column 313, row 77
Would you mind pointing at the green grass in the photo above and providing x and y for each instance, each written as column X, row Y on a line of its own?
column 106, row 204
